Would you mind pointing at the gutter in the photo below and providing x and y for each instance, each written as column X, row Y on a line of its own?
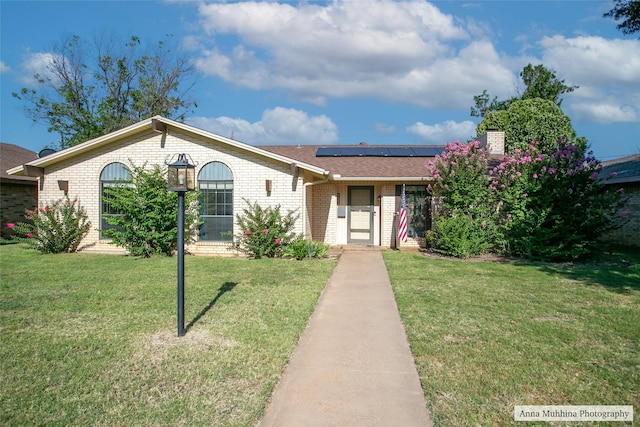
column 304, row 201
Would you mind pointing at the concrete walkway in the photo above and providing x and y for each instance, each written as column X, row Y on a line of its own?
column 352, row 366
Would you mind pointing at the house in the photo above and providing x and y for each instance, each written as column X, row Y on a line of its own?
column 17, row 193
column 625, row 173
column 343, row 194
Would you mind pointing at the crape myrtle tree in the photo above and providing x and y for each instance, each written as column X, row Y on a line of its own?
column 464, row 225
column 629, row 12
column 532, row 204
column 88, row 90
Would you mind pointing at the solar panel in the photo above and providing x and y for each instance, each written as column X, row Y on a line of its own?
column 381, row 151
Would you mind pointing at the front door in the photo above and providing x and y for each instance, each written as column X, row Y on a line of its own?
column 360, row 219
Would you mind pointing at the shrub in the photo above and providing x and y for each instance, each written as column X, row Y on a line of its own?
column 146, row 219
column 301, row 249
column 58, row 227
column 265, row 232
column 458, row 236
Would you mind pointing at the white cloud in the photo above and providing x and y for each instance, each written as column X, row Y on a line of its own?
column 398, row 51
column 606, row 112
column 4, row 68
column 279, row 126
column 442, row 133
column 38, row 63
column 606, row 71
column 384, row 128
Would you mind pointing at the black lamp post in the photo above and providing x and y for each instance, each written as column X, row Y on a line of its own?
column 181, row 179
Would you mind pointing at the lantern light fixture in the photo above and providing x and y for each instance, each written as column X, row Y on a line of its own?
column 182, row 175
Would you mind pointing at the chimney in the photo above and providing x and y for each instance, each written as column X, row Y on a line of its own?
column 493, row 140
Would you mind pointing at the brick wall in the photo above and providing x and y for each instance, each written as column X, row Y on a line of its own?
column 629, row 234
column 249, row 171
column 15, row 199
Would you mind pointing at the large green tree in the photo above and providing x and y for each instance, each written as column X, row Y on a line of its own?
column 90, row 89
column 629, row 12
column 538, row 82
column 533, row 119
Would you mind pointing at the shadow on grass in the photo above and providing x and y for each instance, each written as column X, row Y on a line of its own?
column 226, row 287
column 617, row 269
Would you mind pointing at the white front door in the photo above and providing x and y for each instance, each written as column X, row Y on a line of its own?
column 361, row 213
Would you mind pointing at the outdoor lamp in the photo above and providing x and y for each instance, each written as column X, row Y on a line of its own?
column 182, row 175
column 181, row 178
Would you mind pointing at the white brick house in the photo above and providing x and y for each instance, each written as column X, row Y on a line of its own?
column 344, row 195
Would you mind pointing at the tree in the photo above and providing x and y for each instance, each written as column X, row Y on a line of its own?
column 629, row 11
column 542, row 83
column 539, row 82
column 529, row 120
column 81, row 100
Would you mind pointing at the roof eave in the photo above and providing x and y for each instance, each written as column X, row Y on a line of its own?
column 337, row 177
column 148, row 123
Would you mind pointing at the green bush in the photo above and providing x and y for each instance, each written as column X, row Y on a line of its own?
column 265, row 232
column 58, row 227
column 458, row 236
column 301, row 249
column 146, row 219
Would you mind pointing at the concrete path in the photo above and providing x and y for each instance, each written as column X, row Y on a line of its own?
column 352, row 366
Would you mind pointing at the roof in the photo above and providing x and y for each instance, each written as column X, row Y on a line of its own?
column 624, row 169
column 11, row 156
column 360, row 167
column 159, row 124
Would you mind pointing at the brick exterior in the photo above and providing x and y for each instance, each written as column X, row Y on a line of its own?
column 629, row 234
column 15, row 199
column 249, row 171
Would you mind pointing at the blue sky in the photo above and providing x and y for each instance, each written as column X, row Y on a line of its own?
column 343, row 72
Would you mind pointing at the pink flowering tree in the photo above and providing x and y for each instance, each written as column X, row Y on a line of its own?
column 554, row 206
column 465, row 224
column 265, row 232
column 56, row 228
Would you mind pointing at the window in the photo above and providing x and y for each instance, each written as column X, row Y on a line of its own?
column 112, row 175
column 215, row 182
column 418, row 209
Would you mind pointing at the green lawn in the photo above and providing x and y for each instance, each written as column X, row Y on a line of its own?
column 487, row 336
column 91, row 339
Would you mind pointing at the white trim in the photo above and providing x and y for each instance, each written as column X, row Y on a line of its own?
column 147, row 124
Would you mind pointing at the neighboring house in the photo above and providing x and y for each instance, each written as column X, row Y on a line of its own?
column 343, row 194
column 17, row 193
column 625, row 173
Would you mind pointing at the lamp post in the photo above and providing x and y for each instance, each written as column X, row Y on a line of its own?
column 181, row 178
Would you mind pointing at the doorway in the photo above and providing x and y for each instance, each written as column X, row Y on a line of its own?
column 361, row 214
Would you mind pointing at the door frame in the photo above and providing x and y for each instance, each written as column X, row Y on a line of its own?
column 371, row 206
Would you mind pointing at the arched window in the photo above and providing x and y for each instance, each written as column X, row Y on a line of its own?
column 215, row 182
column 112, row 174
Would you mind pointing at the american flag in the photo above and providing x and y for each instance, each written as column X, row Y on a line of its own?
column 402, row 224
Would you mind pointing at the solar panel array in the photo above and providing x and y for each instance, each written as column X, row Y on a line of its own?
column 371, row 151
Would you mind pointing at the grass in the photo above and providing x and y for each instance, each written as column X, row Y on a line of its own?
column 91, row 339
column 487, row 336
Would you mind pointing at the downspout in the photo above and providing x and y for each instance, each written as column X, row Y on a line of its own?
column 304, row 202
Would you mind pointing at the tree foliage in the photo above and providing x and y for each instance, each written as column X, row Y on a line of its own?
column 89, row 90
column 529, row 120
column 464, row 225
column 542, row 83
column 629, row 12
column 146, row 219
column 538, row 82
column 533, row 204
